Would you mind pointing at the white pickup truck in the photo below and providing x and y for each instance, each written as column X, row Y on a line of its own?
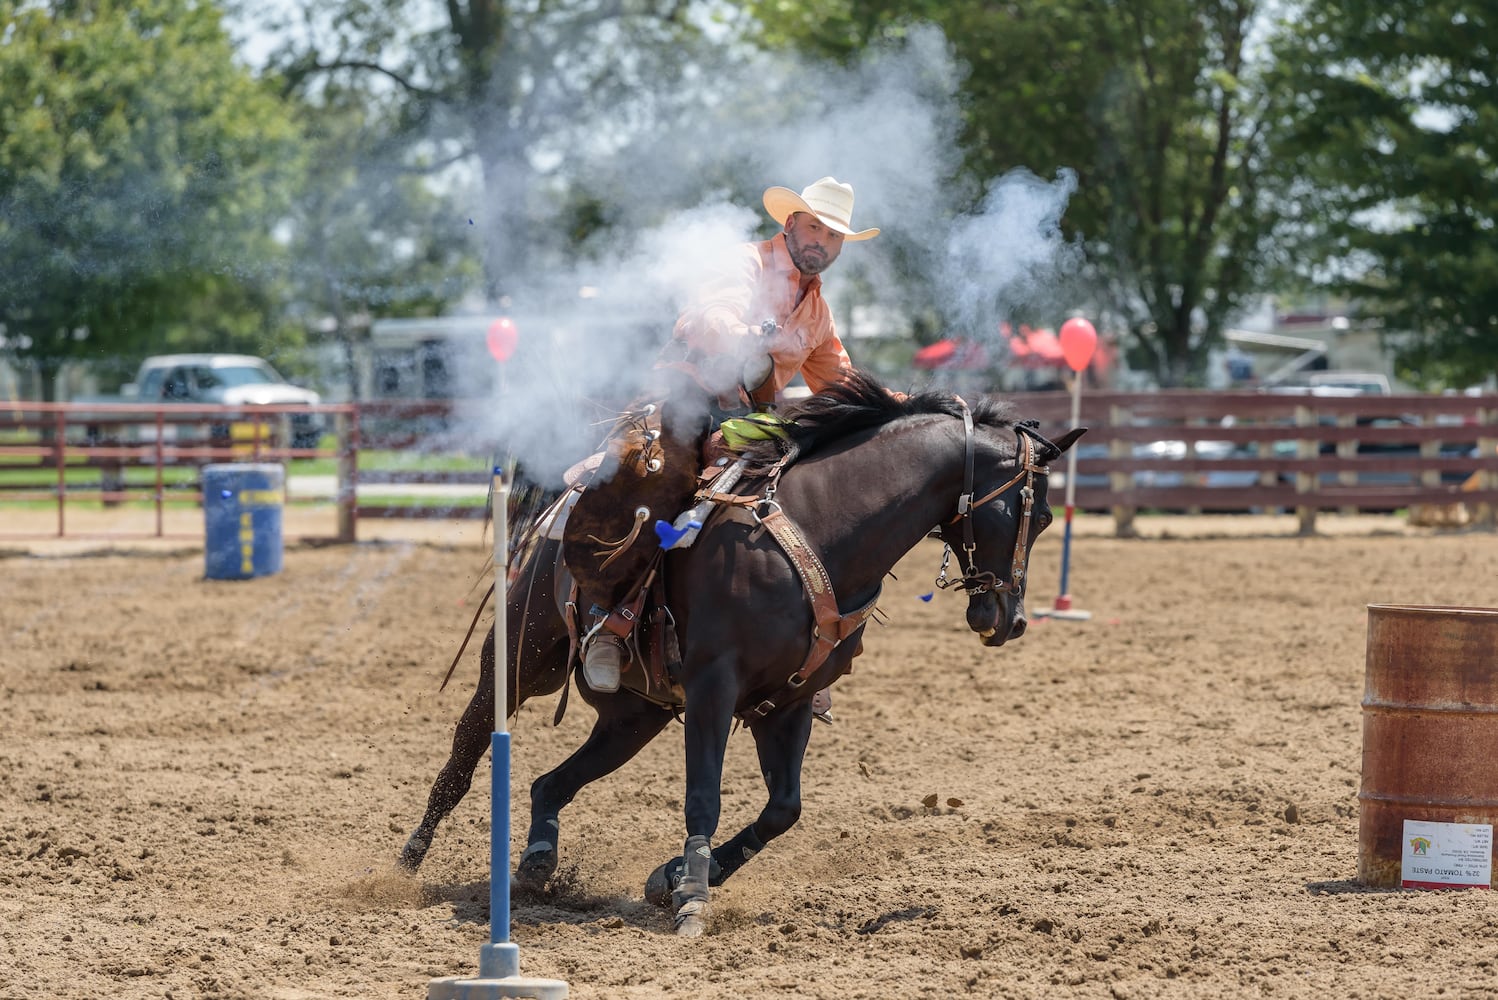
column 227, row 379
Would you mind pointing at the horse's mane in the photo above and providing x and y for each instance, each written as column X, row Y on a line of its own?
column 859, row 401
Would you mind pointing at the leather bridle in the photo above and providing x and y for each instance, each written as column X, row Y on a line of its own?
column 974, row 580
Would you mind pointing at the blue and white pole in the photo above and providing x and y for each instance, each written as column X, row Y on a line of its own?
column 499, row 960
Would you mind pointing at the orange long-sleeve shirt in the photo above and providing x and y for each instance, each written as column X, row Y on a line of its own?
column 762, row 284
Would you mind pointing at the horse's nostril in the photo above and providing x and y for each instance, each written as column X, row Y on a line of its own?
column 1018, row 628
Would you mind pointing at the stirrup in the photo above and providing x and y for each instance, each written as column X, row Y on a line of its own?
column 821, row 706
column 603, row 660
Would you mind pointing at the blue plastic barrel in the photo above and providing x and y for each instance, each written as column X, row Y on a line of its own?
column 242, row 514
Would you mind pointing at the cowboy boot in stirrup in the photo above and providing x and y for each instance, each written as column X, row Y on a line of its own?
column 821, row 705
column 603, row 658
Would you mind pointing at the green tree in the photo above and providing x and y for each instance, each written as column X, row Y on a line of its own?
column 1151, row 102
column 369, row 234
column 1391, row 134
column 140, row 169
column 515, row 88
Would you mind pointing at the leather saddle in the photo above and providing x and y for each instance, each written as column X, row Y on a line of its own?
column 647, row 470
column 654, row 668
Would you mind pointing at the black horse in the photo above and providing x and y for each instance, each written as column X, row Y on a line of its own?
column 866, row 475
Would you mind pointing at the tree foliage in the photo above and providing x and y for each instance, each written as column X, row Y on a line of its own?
column 143, row 173
column 527, row 91
column 1391, row 134
column 369, row 234
column 1151, row 102
column 140, row 169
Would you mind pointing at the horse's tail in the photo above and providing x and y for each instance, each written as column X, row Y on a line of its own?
column 528, row 499
column 483, row 603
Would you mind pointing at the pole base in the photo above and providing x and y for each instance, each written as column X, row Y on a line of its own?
column 499, row 976
column 1063, row 611
column 457, row 988
column 1066, row 616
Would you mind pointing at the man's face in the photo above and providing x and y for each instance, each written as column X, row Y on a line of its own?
column 812, row 244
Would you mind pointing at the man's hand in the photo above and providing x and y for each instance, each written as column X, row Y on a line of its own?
column 758, row 366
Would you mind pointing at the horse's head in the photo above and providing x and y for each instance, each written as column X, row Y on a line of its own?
column 1001, row 504
column 1002, row 510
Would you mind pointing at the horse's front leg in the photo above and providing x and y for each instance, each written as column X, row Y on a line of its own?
column 710, row 702
column 781, row 743
column 624, row 725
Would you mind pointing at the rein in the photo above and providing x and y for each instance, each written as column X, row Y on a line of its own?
column 831, row 627
column 973, row 580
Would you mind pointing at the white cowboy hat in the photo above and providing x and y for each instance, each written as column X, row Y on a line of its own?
column 827, row 199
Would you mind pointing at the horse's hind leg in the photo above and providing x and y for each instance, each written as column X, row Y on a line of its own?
column 537, row 640
column 470, row 740
column 625, row 724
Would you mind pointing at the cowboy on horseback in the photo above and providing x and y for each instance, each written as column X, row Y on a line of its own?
column 751, row 331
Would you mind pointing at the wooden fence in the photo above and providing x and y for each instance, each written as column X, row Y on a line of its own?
column 1261, row 451
column 1169, row 451
column 151, row 454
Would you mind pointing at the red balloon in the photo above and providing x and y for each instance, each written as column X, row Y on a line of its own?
column 502, row 338
column 1078, row 341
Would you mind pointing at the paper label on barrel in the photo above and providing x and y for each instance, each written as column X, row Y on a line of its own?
column 1446, row 855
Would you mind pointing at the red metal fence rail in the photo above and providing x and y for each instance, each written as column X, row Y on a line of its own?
column 117, row 437
column 444, row 427
column 1169, row 451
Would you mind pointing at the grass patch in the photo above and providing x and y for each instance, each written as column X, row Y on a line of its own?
column 27, row 485
column 135, row 477
column 27, row 470
column 437, row 503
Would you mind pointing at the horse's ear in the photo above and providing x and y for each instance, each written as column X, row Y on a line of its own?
column 1065, row 441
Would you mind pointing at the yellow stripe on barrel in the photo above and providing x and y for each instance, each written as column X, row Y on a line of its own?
column 262, row 498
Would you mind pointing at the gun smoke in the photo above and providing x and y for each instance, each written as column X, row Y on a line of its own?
column 686, row 193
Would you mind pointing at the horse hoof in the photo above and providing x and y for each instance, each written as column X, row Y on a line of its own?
column 662, row 882
column 691, row 919
column 536, row 868
column 414, row 853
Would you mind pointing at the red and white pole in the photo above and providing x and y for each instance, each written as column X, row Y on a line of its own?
column 1078, row 342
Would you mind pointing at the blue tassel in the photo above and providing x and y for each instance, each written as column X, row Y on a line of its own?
column 927, row 597
column 669, row 535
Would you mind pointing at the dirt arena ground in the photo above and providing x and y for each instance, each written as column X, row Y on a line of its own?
column 203, row 786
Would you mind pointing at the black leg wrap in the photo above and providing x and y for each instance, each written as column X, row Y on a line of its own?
column 691, row 892
column 693, row 885
column 539, row 862
column 730, row 857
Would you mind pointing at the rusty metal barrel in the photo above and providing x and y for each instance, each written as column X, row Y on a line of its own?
column 1430, row 727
